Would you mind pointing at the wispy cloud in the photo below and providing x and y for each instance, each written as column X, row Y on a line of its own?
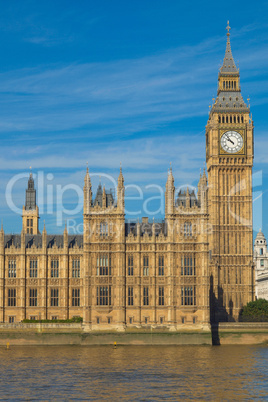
column 143, row 112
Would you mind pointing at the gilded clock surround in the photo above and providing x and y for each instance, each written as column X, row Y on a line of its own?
column 239, row 131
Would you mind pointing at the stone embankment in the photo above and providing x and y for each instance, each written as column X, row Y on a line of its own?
column 78, row 334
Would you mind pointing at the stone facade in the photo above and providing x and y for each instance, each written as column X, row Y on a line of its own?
column 261, row 266
column 194, row 267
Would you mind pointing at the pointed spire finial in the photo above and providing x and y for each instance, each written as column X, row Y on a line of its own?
column 204, row 169
column 170, row 167
column 87, row 167
column 65, row 228
column 228, row 28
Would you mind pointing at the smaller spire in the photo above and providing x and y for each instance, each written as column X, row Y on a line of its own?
column 103, row 197
column 120, row 177
column 204, row 171
column 44, row 229
column 65, row 236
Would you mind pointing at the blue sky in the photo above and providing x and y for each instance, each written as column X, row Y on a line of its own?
column 113, row 81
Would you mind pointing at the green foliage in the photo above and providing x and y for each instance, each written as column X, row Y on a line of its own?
column 255, row 311
column 70, row 321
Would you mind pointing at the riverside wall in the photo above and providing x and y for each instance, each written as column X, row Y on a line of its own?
column 78, row 334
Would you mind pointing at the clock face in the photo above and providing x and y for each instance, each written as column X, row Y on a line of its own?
column 232, row 142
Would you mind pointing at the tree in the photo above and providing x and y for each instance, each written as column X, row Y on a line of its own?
column 255, row 311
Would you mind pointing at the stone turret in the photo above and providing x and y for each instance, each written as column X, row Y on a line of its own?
column 65, row 237
column 103, row 197
column 203, row 192
column 22, row 240
column 170, row 194
column 121, row 191
column 44, row 237
column 87, row 193
column 30, row 212
column 2, row 238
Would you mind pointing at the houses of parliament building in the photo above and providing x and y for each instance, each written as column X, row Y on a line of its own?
column 194, row 268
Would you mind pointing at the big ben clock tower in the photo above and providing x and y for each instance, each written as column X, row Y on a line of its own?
column 229, row 156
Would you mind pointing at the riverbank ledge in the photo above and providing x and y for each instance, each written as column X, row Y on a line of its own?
column 80, row 334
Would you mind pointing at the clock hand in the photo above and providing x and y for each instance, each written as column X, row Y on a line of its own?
column 229, row 139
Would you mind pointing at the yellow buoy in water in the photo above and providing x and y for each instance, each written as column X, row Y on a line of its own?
column 7, row 345
column 114, row 345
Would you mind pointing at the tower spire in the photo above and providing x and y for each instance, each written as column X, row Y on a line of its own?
column 228, row 66
column 30, row 212
column 229, row 98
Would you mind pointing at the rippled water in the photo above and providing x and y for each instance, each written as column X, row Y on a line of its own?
column 134, row 373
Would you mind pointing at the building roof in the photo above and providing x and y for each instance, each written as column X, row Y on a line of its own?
column 37, row 240
column 230, row 101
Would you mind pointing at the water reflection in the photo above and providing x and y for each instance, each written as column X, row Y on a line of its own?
column 134, row 373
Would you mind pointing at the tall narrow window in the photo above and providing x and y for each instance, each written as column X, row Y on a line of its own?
column 161, row 265
column 103, row 265
column 161, row 296
column 187, row 229
column 188, row 296
column 12, row 269
column 145, row 266
column 32, row 297
column 146, row 296
column 11, row 297
column 33, row 268
column 54, row 268
column 188, row 265
column 104, row 228
column 76, row 268
column 54, row 297
column 103, row 295
column 130, row 265
column 76, row 297
column 130, row 295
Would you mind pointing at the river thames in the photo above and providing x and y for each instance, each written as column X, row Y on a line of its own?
column 134, row 373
